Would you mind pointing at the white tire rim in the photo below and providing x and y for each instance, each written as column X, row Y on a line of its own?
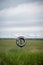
column 20, row 41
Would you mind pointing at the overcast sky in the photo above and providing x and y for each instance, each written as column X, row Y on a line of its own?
column 21, row 17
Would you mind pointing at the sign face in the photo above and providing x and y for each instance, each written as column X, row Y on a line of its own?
column 20, row 41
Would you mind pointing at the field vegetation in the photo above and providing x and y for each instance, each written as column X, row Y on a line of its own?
column 30, row 54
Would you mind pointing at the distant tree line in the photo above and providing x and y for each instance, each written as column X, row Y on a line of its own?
column 25, row 38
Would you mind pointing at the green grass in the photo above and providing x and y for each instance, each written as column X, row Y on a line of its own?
column 30, row 54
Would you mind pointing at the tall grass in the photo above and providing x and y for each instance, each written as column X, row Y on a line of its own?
column 21, row 58
column 30, row 54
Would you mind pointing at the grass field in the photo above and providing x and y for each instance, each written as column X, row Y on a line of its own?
column 30, row 54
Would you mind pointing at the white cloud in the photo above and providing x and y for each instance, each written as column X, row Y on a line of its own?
column 32, row 8
column 22, row 11
column 33, row 28
column 26, row 35
column 27, row 32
